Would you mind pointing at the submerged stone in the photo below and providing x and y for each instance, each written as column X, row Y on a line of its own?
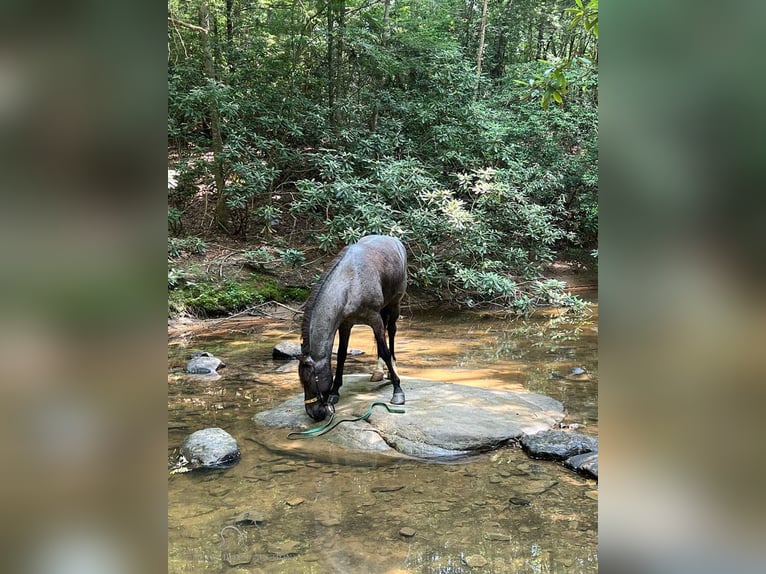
column 209, row 448
column 475, row 561
column 237, row 558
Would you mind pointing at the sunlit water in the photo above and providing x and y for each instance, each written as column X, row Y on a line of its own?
column 331, row 511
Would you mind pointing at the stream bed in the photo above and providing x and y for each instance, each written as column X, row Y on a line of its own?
column 312, row 508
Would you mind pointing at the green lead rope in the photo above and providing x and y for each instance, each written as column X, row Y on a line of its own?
column 328, row 426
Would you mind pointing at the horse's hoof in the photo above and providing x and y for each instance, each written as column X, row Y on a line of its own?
column 377, row 376
column 397, row 399
column 333, row 399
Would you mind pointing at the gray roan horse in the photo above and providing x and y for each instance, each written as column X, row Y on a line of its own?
column 363, row 285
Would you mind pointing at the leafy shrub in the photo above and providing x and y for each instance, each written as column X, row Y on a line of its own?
column 188, row 245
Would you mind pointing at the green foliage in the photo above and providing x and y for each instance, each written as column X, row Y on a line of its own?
column 259, row 257
column 211, row 299
column 292, row 257
column 585, row 14
column 485, row 187
column 174, row 219
column 175, row 278
column 208, row 297
column 187, row 245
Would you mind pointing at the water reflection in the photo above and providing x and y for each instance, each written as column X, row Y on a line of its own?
column 328, row 511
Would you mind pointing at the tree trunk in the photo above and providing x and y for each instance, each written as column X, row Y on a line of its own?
column 468, row 25
column 480, row 51
column 330, row 64
column 230, row 34
column 221, row 209
column 339, row 55
column 379, row 82
column 498, row 68
column 386, row 22
column 540, row 38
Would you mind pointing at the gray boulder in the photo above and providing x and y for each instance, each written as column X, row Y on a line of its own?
column 286, row 350
column 442, row 420
column 209, row 448
column 203, row 363
column 557, row 444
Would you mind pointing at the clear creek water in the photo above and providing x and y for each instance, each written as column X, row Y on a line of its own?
column 324, row 511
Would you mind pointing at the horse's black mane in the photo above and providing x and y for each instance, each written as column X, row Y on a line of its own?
column 309, row 307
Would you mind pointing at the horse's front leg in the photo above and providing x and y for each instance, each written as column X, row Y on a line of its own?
column 383, row 352
column 344, row 332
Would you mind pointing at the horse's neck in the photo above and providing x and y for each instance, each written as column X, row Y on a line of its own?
column 325, row 321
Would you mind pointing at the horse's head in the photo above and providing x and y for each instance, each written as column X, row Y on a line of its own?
column 316, row 378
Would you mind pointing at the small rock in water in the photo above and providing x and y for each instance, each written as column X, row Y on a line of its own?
column 286, row 350
column 578, row 374
column 209, row 448
column 237, row 558
column 557, row 444
column 475, row 561
column 586, row 464
column 203, row 363
column 533, row 487
column 250, row 517
column 329, row 520
column 498, row 536
column 387, row 488
column 286, row 548
column 407, row 532
column 218, row 491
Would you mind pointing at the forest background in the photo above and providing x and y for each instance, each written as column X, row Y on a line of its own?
column 468, row 128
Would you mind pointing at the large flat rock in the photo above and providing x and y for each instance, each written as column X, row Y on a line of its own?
column 441, row 419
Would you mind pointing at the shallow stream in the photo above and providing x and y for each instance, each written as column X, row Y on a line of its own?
column 324, row 511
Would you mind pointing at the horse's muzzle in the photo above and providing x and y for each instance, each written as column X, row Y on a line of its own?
column 316, row 411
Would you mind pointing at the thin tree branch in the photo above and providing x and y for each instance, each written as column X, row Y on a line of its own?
column 187, row 25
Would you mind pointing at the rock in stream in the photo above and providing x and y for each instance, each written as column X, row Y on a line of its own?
column 209, row 448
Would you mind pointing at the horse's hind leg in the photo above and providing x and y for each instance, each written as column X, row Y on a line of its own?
column 344, row 332
column 391, row 326
column 385, row 354
column 379, row 374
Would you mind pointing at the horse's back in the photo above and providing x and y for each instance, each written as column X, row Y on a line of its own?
column 382, row 254
column 379, row 264
column 383, row 243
